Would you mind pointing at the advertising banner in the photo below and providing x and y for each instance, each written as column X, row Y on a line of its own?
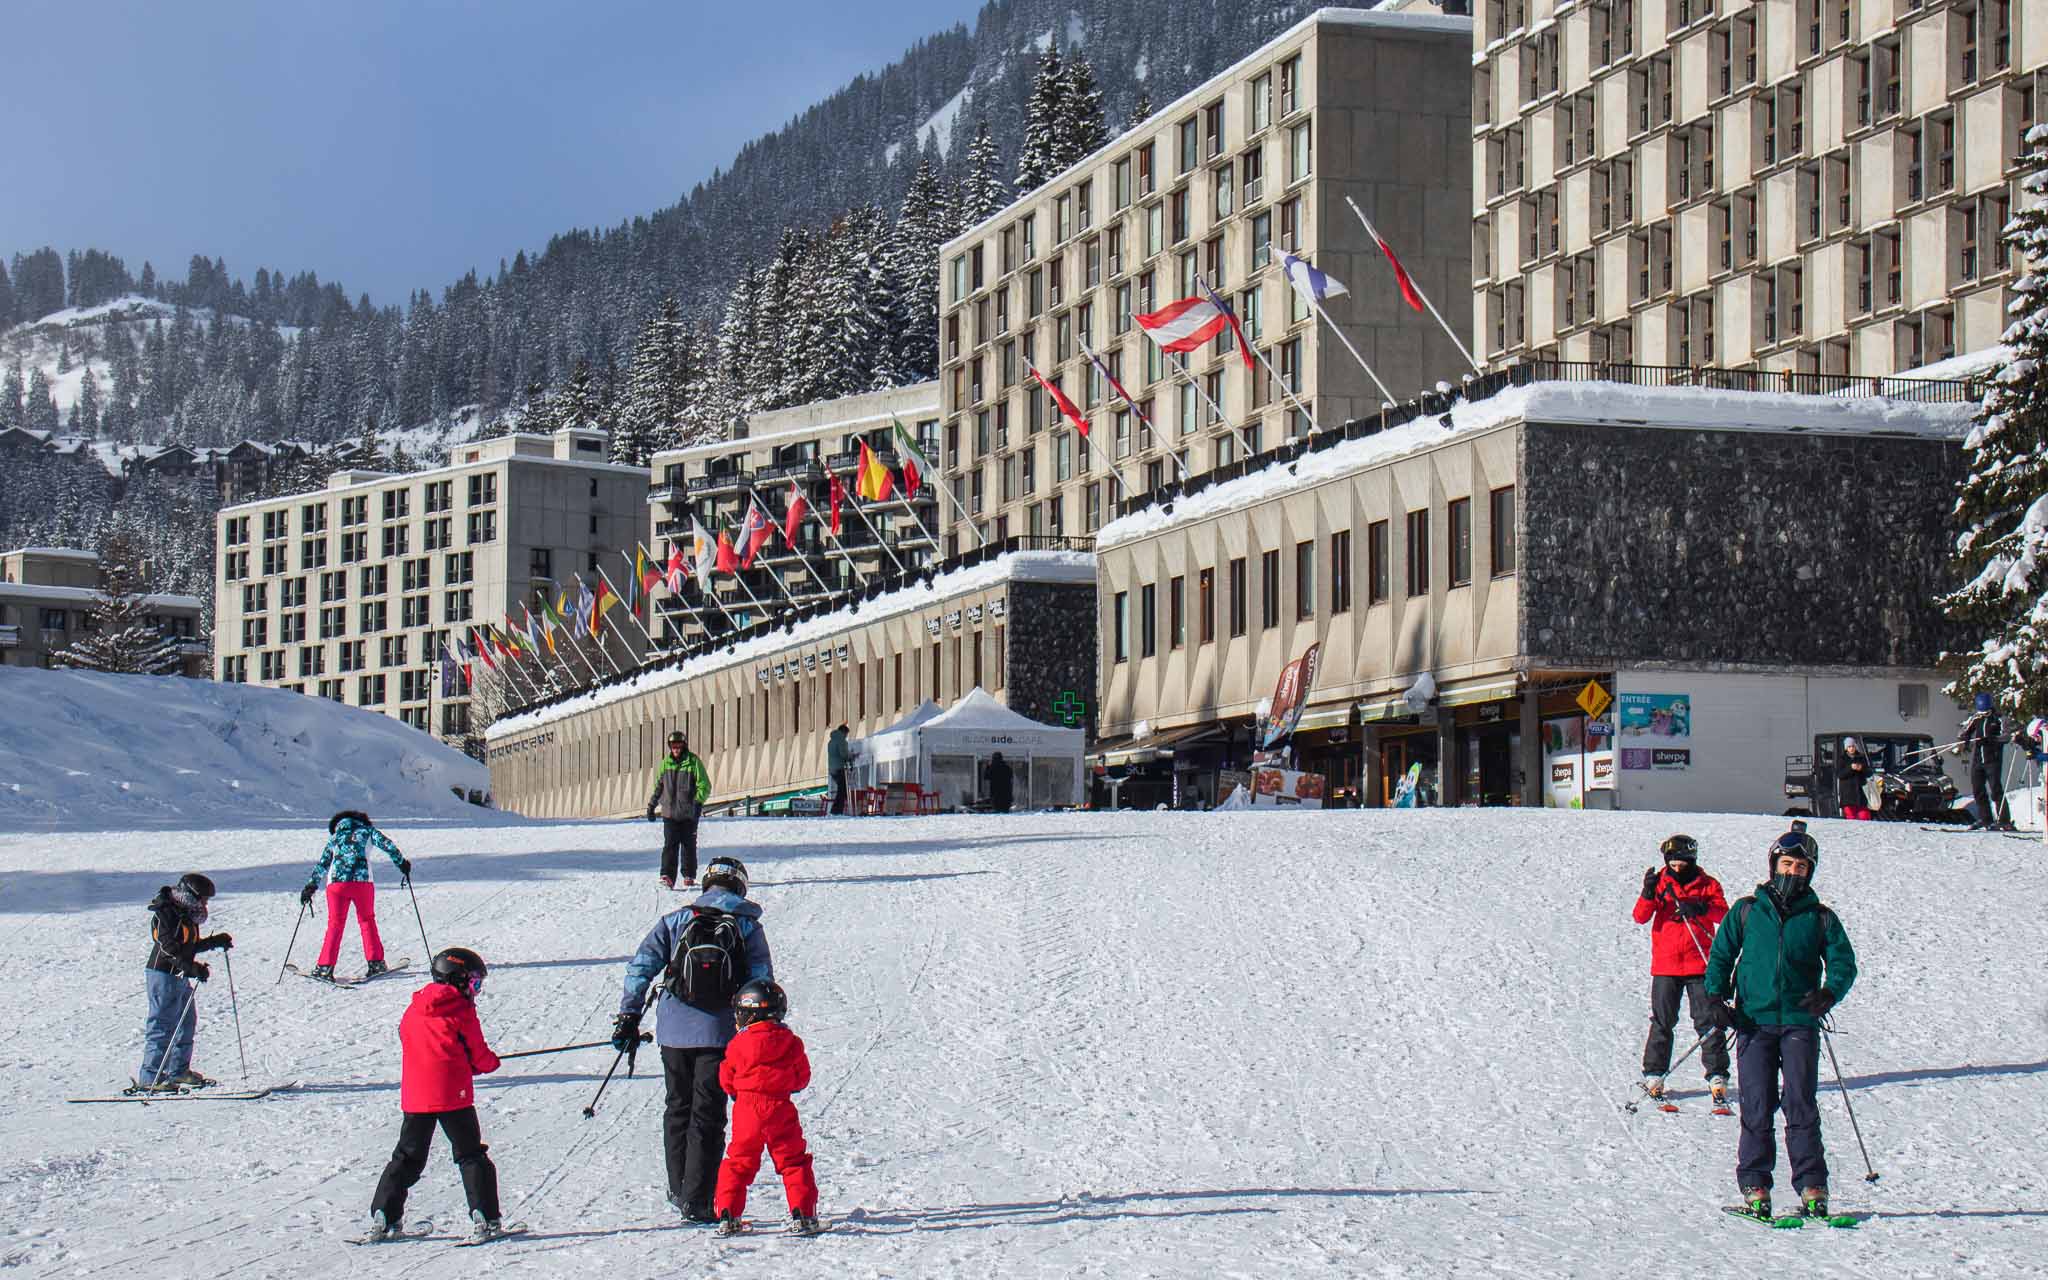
column 1296, row 679
column 1656, row 730
column 1285, row 787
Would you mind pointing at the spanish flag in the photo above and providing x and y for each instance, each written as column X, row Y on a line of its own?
column 874, row 481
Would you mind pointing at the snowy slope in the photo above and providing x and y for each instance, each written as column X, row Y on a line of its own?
column 1360, row 1043
column 96, row 751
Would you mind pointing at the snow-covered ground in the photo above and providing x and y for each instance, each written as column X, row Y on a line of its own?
column 86, row 750
column 1137, row 1044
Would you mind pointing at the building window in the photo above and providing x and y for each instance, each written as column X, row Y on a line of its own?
column 1238, row 597
column 1418, row 553
column 1176, row 613
column 1205, row 604
column 1304, row 580
column 1340, row 571
column 1120, row 628
column 1501, row 531
column 1461, row 542
column 1269, row 589
column 1300, row 152
column 1148, row 620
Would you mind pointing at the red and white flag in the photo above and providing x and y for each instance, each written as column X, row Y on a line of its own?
column 753, row 533
column 838, row 495
column 1059, row 398
column 1400, row 272
column 1185, row 325
column 793, row 519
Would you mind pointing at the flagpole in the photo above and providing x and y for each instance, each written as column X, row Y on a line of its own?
column 629, row 610
column 1260, row 356
column 561, row 623
column 1317, row 303
column 709, row 592
column 505, row 662
column 838, row 546
column 648, row 551
column 1180, row 363
column 1452, row 334
column 750, row 593
column 531, row 627
column 1089, row 444
column 959, row 512
column 533, row 689
column 595, row 637
column 853, row 500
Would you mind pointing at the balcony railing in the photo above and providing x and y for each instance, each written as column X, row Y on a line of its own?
column 723, row 482
column 805, row 469
column 10, row 637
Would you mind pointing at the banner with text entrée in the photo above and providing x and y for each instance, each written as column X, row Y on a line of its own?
column 1289, row 696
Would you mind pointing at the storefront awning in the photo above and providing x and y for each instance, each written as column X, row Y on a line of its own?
column 1334, row 716
column 1157, row 746
column 1395, row 707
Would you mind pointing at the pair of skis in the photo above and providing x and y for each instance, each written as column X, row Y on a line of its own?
column 203, row 1094
column 424, row 1230
column 396, row 968
column 1791, row 1221
column 1665, row 1103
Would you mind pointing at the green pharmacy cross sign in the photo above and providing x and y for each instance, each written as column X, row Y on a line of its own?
column 1069, row 707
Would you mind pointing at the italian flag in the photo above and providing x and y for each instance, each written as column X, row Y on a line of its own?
column 915, row 465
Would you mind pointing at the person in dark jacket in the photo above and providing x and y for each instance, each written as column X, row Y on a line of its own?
column 681, row 786
column 175, row 915
column 1000, row 783
column 1786, row 961
column 838, row 763
column 1851, row 775
column 1983, row 738
column 692, row 1039
column 1681, row 904
column 441, row 1052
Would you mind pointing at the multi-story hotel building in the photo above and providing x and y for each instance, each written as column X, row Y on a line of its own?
column 1807, row 185
column 48, row 599
column 1210, row 191
column 350, row 592
column 771, row 458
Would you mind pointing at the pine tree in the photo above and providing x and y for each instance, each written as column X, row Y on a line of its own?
column 1045, row 122
column 1083, row 127
column 85, row 415
column 983, row 191
column 579, row 398
column 922, row 226
column 41, row 411
column 650, row 415
column 1141, row 110
column 123, row 640
column 13, row 399
column 2002, row 504
column 6, row 299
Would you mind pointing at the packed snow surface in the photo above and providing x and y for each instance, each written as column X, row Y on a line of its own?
column 87, row 750
column 1134, row 1044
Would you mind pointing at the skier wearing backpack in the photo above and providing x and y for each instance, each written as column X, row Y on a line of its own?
column 1786, row 960
column 680, row 787
column 709, row 949
column 1681, row 904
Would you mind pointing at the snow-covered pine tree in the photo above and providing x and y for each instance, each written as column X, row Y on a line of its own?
column 983, row 190
column 1083, row 127
column 85, row 413
column 1045, row 116
column 123, row 640
column 2002, row 504
column 13, row 399
column 6, row 298
column 1141, row 110
column 650, row 415
column 922, row 226
column 41, row 412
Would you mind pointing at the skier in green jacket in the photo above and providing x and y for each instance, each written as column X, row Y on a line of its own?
column 1786, row 960
column 680, row 787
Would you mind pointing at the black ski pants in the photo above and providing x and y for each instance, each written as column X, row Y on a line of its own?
column 1764, row 1055
column 679, row 835
column 693, row 1125
column 1987, row 784
column 839, row 792
column 409, row 1160
column 1664, row 995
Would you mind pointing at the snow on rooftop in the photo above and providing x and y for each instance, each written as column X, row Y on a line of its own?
column 1018, row 566
column 90, row 595
column 64, row 553
column 1655, row 408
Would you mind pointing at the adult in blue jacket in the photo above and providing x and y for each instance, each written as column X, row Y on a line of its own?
column 692, row 1039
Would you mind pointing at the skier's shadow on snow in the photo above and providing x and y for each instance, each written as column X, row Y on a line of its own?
column 1916, row 1076
column 1040, row 1213
column 905, row 878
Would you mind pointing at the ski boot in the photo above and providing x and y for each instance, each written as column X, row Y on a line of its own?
column 190, row 1079
column 693, row 1215
column 1717, row 1088
column 668, row 882
column 322, row 973
column 143, row 1089
column 1758, row 1201
column 689, row 882
column 380, row 1230
column 485, row 1228
column 374, row 968
column 729, row 1225
column 1813, row 1202
column 1653, row 1086
column 804, row 1224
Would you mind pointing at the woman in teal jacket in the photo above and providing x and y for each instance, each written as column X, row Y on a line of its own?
column 1786, row 960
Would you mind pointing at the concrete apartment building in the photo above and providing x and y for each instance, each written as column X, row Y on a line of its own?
column 1680, row 547
column 1805, row 185
column 771, row 457
column 47, row 598
column 1020, row 625
column 1213, row 186
column 350, row 592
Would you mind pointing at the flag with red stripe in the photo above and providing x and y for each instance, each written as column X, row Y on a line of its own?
column 1185, row 325
column 1059, row 398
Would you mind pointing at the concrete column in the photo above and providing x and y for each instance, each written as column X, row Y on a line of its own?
column 1450, row 779
column 1534, row 781
column 1372, row 776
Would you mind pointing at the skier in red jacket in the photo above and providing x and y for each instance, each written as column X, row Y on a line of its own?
column 1681, row 904
column 442, row 1050
column 764, row 1064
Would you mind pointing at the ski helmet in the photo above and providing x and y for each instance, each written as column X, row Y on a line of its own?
column 1849, row 744
column 730, row 872
column 1797, row 843
column 1983, row 702
column 758, row 1000
column 677, row 738
column 1680, row 848
column 462, row 969
column 354, row 814
column 195, row 886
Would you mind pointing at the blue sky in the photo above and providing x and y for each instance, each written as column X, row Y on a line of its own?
column 394, row 145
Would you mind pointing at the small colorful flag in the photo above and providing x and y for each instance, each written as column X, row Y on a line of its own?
column 1307, row 281
column 1229, row 317
column 705, row 555
column 1059, row 398
column 480, row 650
column 675, row 568
column 1102, row 367
column 727, row 560
column 1400, row 272
column 532, row 631
column 793, row 519
column 551, row 617
column 599, row 602
column 451, row 675
column 915, row 465
column 586, row 604
column 838, row 495
column 753, row 533
column 1185, row 325
column 874, row 482
column 514, row 641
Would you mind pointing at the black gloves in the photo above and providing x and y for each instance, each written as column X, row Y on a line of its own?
column 306, row 894
column 1690, row 908
column 1818, row 1002
column 217, row 942
column 1720, row 1013
column 200, row 971
column 405, row 867
column 650, row 814
column 1650, row 882
column 626, row 1032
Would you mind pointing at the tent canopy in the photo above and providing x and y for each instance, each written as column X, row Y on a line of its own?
column 947, row 752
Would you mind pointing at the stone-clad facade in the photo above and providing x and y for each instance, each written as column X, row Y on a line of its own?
column 1052, row 678
column 1714, row 546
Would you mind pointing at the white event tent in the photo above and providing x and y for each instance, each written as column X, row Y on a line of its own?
column 945, row 751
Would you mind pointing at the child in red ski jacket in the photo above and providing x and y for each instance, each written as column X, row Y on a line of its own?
column 1682, row 904
column 442, row 1051
column 764, row 1064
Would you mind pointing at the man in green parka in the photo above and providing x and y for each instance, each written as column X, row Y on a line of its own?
column 1786, row 960
column 680, row 787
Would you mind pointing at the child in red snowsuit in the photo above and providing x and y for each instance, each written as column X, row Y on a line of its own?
column 764, row 1064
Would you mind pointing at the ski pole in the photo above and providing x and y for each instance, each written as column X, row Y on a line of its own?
column 304, row 908
column 227, row 961
column 1870, row 1174
column 591, row 1110
column 645, row 1036
column 417, row 920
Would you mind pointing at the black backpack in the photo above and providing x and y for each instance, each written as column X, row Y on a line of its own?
column 710, row 961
